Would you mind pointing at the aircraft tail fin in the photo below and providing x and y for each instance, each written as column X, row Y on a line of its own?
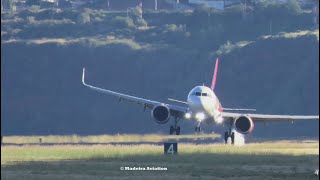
column 214, row 78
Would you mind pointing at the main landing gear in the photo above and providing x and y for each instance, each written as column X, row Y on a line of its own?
column 175, row 128
column 229, row 137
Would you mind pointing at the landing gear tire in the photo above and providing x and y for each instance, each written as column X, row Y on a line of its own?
column 178, row 130
column 197, row 129
column 228, row 135
column 232, row 138
column 171, row 130
column 175, row 129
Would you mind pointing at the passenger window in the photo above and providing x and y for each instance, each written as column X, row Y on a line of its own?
column 204, row 94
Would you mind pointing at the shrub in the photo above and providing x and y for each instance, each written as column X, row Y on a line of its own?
column 31, row 19
column 34, row 8
column 136, row 12
column 171, row 27
column 239, row 8
column 228, row 47
column 202, row 9
column 84, row 17
column 123, row 22
column 262, row 4
column 141, row 22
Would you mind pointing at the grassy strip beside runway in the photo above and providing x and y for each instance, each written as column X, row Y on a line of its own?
column 277, row 160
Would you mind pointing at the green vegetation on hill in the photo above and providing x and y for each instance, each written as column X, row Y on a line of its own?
column 266, row 54
column 203, row 27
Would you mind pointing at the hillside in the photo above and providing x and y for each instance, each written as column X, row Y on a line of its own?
column 274, row 71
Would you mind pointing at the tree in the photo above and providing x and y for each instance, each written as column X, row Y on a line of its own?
column 202, row 9
column 137, row 12
column 12, row 5
column 65, row 4
column 84, row 17
column 33, row 2
column 293, row 6
column 141, row 22
column 8, row 4
column 123, row 22
column 316, row 12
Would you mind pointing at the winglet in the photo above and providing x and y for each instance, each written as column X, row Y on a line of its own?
column 214, row 78
column 83, row 73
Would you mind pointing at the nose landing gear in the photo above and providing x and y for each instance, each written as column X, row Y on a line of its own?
column 197, row 129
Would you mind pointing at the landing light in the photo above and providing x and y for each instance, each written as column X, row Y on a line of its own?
column 200, row 116
column 187, row 115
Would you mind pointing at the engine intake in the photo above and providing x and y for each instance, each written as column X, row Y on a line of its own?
column 244, row 124
column 161, row 114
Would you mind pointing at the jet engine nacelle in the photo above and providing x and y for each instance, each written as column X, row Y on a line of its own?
column 161, row 114
column 244, row 124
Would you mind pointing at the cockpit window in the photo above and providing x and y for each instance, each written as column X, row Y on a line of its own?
column 201, row 94
column 198, row 94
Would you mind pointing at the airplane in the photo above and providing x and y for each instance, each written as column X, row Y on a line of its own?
column 202, row 105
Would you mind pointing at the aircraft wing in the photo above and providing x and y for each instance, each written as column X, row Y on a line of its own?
column 176, row 111
column 269, row 118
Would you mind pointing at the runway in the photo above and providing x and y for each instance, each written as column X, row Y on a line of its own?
column 202, row 141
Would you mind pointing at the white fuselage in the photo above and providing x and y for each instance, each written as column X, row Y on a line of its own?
column 202, row 100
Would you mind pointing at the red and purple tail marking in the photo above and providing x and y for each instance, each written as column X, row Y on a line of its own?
column 214, row 79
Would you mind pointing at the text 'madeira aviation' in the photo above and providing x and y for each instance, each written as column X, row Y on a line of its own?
column 202, row 105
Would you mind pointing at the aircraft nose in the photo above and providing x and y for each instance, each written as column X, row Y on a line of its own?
column 204, row 101
column 207, row 103
column 197, row 101
column 200, row 102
